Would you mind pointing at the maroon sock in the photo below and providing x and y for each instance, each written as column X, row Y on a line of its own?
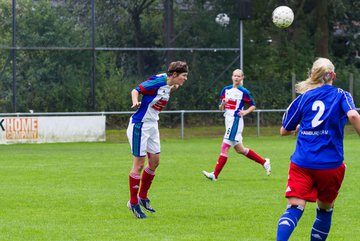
column 253, row 156
column 220, row 164
column 134, row 182
column 146, row 180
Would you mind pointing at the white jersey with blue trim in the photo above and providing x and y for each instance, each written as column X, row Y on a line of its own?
column 322, row 115
column 155, row 95
column 236, row 99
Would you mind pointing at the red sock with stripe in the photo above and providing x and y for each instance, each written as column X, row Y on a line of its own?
column 253, row 156
column 146, row 180
column 220, row 164
column 134, row 182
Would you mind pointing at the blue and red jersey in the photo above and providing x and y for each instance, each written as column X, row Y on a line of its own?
column 155, row 95
column 236, row 99
column 322, row 115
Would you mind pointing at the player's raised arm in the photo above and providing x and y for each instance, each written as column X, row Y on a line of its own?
column 354, row 119
column 135, row 99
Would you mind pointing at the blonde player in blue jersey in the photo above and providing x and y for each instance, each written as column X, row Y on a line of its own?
column 143, row 131
column 316, row 170
column 233, row 99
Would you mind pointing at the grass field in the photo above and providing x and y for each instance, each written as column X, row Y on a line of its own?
column 78, row 191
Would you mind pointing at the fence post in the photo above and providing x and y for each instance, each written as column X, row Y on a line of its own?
column 293, row 80
column 258, row 123
column 182, row 124
column 351, row 84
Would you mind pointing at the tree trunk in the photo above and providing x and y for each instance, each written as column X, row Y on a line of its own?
column 322, row 29
column 168, row 28
column 138, row 43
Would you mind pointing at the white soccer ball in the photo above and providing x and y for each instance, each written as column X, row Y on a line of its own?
column 222, row 19
column 282, row 16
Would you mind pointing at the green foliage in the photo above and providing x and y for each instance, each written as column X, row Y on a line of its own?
column 113, row 88
column 59, row 80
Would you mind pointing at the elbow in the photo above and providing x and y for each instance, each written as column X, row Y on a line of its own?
column 283, row 132
column 354, row 117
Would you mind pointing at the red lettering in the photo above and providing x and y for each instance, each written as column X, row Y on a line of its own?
column 159, row 106
column 230, row 105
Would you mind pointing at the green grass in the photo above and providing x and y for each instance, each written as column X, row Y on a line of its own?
column 78, row 191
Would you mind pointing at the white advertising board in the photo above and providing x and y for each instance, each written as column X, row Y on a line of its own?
column 52, row 129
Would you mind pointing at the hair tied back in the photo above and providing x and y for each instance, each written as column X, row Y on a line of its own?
column 329, row 76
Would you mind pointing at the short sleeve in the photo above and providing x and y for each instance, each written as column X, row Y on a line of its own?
column 348, row 103
column 248, row 98
column 222, row 95
column 292, row 115
column 150, row 86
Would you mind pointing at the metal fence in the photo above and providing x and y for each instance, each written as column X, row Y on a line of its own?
column 181, row 113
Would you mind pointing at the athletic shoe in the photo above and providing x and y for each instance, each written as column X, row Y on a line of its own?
column 145, row 203
column 136, row 210
column 209, row 175
column 267, row 166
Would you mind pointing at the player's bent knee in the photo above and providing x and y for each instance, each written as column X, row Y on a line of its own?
column 243, row 151
column 225, row 148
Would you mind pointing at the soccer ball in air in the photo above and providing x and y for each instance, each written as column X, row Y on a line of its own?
column 282, row 16
column 222, row 19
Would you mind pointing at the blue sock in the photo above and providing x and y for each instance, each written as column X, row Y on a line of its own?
column 321, row 225
column 288, row 222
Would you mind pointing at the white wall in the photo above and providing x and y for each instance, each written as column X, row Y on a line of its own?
column 52, row 129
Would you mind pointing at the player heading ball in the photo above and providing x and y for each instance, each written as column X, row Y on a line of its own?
column 143, row 131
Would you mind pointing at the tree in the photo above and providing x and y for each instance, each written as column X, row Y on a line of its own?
column 51, row 80
column 135, row 8
column 322, row 28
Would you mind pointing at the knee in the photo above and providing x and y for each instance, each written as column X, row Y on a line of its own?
column 225, row 148
column 242, row 150
column 154, row 165
column 137, row 168
column 154, row 162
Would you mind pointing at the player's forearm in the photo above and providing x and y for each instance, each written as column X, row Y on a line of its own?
column 222, row 104
column 134, row 96
column 250, row 109
column 284, row 132
column 354, row 119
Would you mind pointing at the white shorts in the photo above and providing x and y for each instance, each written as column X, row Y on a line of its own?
column 143, row 137
column 234, row 127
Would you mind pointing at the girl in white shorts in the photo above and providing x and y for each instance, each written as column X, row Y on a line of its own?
column 232, row 100
column 143, row 132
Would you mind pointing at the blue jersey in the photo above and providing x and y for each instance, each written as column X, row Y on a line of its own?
column 236, row 99
column 322, row 115
column 155, row 95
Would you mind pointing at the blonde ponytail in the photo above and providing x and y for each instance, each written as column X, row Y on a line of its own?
column 322, row 72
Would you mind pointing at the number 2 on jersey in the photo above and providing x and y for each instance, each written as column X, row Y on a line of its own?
column 318, row 106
